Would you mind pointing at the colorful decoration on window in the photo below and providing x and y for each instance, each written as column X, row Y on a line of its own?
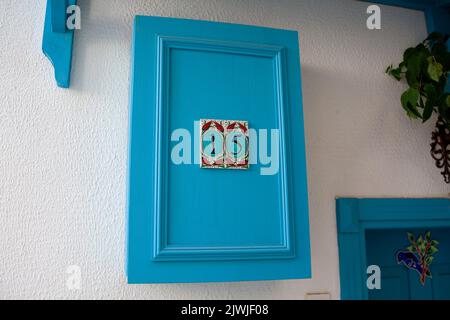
column 418, row 256
column 224, row 144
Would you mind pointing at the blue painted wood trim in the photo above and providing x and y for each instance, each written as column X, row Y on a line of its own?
column 355, row 216
column 58, row 16
column 350, row 263
column 57, row 41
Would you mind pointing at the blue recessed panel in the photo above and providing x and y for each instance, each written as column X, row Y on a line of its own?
column 193, row 224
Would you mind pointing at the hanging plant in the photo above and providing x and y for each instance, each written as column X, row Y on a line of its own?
column 425, row 68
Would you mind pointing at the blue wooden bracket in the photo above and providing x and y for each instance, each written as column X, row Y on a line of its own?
column 57, row 41
column 58, row 14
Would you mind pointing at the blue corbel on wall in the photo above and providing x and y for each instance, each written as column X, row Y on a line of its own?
column 57, row 41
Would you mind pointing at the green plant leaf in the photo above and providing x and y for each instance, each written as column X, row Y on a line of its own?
column 439, row 52
column 445, row 60
column 411, row 248
column 430, row 91
column 435, row 69
column 434, row 36
column 429, row 260
column 428, row 235
column 434, row 242
column 408, row 53
column 437, row 37
column 427, row 111
column 442, row 108
column 396, row 73
column 432, row 95
column 410, row 237
column 438, row 49
column 413, row 70
column 409, row 101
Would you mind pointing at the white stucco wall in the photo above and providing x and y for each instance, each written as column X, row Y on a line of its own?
column 63, row 153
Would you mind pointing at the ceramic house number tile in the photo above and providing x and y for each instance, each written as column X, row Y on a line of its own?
column 224, row 144
column 212, row 138
column 236, row 144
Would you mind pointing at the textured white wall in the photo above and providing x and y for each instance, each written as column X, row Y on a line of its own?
column 63, row 153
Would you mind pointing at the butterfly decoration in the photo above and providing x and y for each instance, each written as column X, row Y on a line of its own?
column 418, row 255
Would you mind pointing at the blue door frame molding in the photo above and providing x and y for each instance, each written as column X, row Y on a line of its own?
column 355, row 216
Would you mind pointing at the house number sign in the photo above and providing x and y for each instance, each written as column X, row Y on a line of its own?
column 224, row 144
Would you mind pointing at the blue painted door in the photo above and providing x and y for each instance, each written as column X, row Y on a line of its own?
column 193, row 224
column 399, row 282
